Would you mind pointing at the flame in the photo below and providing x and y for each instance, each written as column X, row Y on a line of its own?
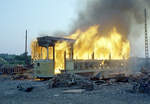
column 103, row 46
column 87, row 44
column 39, row 52
column 61, row 49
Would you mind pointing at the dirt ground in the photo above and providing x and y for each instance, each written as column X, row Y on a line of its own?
column 117, row 93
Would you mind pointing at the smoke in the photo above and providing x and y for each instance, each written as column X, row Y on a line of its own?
column 121, row 14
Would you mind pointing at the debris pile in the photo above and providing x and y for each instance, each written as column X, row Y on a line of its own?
column 112, row 78
column 77, row 83
column 142, row 84
column 26, row 87
column 22, row 76
column 70, row 80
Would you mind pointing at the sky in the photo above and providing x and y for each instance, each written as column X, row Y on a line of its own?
column 41, row 17
column 37, row 16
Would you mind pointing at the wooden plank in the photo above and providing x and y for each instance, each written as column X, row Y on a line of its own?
column 73, row 91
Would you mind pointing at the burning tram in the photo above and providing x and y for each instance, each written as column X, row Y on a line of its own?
column 83, row 52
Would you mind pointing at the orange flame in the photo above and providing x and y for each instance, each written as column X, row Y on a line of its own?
column 87, row 43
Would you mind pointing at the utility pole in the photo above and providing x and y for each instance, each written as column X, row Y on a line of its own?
column 146, row 37
column 26, row 52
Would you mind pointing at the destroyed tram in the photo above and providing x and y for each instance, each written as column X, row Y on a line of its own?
column 45, row 60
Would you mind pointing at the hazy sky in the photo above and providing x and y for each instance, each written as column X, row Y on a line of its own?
column 38, row 16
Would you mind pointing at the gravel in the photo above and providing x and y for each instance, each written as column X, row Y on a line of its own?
column 117, row 93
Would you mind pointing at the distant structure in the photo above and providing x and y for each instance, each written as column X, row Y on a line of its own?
column 26, row 52
column 146, row 37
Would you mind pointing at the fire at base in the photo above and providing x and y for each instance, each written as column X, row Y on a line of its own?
column 89, row 44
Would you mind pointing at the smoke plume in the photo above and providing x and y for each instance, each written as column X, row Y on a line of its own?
column 112, row 13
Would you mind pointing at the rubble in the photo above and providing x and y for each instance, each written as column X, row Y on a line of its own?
column 19, row 77
column 69, row 80
column 26, row 87
column 112, row 78
column 62, row 80
column 99, row 82
column 140, row 81
column 22, row 76
column 142, row 85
